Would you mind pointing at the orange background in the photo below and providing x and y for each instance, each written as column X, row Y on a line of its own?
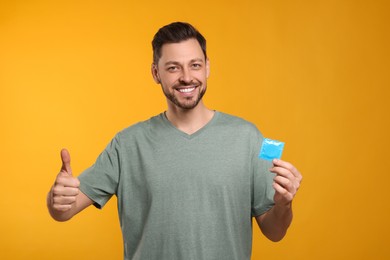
column 314, row 74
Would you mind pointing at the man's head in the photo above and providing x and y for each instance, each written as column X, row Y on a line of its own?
column 180, row 65
column 174, row 33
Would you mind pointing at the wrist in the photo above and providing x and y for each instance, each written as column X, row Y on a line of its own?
column 282, row 209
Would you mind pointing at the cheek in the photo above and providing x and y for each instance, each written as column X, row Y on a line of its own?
column 205, row 73
column 167, row 79
column 204, row 77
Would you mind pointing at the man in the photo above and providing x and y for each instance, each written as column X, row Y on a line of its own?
column 189, row 180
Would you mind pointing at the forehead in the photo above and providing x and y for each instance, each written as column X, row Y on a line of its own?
column 181, row 52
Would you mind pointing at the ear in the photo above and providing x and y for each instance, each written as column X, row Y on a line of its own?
column 155, row 75
column 207, row 68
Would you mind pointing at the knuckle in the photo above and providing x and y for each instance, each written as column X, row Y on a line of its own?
column 284, row 192
column 59, row 180
column 57, row 207
column 290, row 166
column 277, row 178
column 77, row 182
column 56, row 190
column 56, row 200
column 291, row 176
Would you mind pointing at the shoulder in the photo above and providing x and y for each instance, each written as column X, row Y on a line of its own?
column 238, row 123
column 139, row 129
column 240, row 130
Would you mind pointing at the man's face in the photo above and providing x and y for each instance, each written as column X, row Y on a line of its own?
column 182, row 72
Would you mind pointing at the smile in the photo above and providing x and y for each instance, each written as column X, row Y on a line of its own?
column 186, row 90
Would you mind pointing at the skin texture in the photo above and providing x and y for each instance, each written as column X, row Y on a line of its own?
column 182, row 71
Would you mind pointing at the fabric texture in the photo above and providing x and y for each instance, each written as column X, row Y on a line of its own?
column 184, row 196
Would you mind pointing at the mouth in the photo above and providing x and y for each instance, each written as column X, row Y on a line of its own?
column 186, row 90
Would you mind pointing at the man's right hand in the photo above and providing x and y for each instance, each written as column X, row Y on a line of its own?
column 66, row 187
column 65, row 199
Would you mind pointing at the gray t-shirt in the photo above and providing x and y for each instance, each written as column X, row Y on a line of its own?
column 184, row 196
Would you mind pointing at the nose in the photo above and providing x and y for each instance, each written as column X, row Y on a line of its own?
column 185, row 77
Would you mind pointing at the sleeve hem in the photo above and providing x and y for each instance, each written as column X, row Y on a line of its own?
column 98, row 203
column 261, row 211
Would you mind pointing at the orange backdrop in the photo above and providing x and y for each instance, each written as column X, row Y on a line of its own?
column 314, row 74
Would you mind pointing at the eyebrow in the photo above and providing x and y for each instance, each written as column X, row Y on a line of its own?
column 178, row 63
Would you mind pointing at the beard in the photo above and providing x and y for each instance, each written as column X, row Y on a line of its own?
column 189, row 102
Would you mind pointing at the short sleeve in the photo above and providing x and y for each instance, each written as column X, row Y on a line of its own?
column 100, row 181
column 263, row 191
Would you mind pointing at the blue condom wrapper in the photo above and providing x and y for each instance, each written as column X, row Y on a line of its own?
column 271, row 149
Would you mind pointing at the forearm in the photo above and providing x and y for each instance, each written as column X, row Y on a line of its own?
column 275, row 222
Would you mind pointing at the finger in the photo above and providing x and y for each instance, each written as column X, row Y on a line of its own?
column 65, row 191
column 281, row 195
column 60, row 207
column 64, row 200
column 65, row 158
column 285, row 183
column 282, row 172
column 279, row 189
column 287, row 165
column 67, row 181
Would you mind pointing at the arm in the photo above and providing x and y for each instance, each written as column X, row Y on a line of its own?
column 275, row 222
column 65, row 199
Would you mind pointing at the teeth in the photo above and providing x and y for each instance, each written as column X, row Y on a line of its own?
column 186, row 90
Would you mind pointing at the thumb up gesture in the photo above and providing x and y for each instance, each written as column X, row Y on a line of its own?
column 66, row 187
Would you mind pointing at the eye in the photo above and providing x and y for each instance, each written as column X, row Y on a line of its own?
column 172, row 68
column 196, row 65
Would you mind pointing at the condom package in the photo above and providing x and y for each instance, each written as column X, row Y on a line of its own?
column 271, row 149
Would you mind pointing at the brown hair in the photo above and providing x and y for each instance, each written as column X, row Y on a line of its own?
column 174, row 33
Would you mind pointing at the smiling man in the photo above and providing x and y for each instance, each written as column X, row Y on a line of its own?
column 181, row 66
column 184, row 70
column 189, row 180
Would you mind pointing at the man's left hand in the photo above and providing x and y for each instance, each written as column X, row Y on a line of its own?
column 286, row 182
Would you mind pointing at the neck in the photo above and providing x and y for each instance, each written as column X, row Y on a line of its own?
column 189, row 120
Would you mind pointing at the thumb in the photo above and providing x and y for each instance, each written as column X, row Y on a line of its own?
column 65, row 158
